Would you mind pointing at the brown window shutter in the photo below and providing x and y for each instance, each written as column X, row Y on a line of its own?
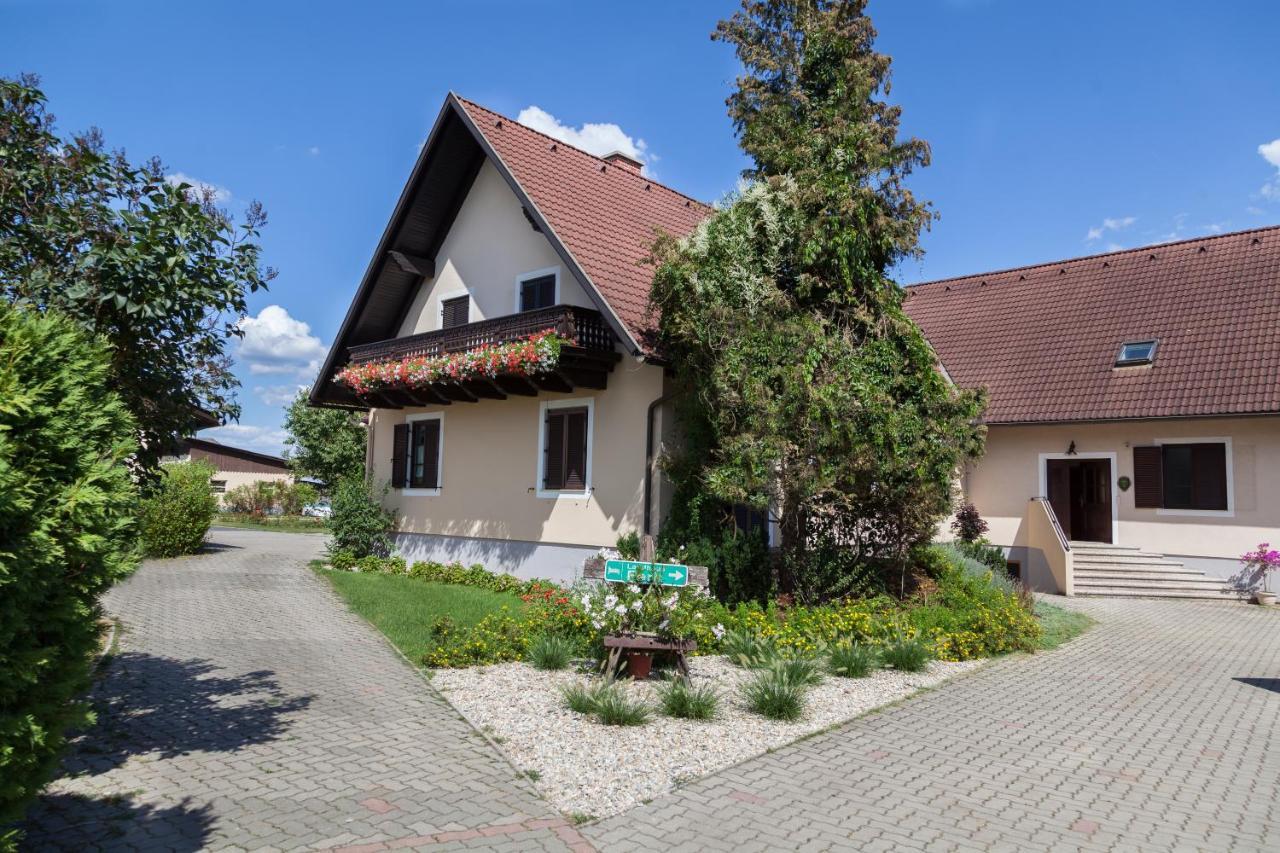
column 1209, row 476
column 1148, row 477
column 575, row 450
column 431, row 442
column 537, row 293
column 455, row 312
column 399, row 454
column 553, row 453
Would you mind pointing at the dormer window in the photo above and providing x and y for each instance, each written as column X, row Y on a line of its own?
column 1134, row 353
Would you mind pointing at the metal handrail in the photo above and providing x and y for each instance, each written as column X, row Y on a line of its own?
column 1057, row 527
column 583, row 325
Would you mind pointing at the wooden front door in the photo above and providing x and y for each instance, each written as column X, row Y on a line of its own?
column 1080, row 493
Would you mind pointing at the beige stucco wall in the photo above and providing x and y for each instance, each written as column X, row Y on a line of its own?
column 489, row 245
column 1009, row 474
column 490, row 463
column 234, row 479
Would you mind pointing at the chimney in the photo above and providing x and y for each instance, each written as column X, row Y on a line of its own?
column 617, row 158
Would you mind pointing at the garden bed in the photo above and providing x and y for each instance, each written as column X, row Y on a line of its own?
column 586, row 768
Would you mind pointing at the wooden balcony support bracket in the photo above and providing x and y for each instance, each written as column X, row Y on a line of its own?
column 553, row 382
column 518, row 385
column 454, row 391
column 486, row 389
column 426, row 397
column 382, row 401
column 579, row 377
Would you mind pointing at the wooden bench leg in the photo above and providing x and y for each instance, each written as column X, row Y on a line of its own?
column 682, row 664
column 611, row 665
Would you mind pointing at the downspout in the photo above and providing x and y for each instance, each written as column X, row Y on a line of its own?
column 648, row 461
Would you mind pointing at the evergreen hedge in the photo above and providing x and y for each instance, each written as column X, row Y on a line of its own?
column 67, row 526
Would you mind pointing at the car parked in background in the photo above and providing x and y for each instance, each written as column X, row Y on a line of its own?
column 320, row 509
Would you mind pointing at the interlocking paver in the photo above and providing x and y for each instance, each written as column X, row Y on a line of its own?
column 246, row 708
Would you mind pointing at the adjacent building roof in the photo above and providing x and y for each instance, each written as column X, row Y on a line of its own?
column 1044, row 339
column 600, row 215
column 224, row 457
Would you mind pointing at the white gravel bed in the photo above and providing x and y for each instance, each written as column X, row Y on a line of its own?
column 585, row 767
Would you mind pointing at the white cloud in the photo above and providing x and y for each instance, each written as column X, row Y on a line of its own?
column 314, row 150
column 1270, row 152
column 599, row 139
column 199, row 188
column 260, row 438
column 275, row 343
column 1118, row 223
column 277, row 395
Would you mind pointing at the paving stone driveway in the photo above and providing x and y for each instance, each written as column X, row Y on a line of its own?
column 248, row 709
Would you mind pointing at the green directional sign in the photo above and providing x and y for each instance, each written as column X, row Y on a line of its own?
column 634, row 571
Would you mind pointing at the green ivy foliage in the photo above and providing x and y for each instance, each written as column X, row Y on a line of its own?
column 177, row 514
column 68, row 510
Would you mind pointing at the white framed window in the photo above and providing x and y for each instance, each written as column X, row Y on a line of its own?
column 1197, row 476
column 453, row 306
column 424, row 459
column 537, row 289
column 565, row 429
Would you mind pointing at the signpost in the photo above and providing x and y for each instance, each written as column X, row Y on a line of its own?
column 635, row 571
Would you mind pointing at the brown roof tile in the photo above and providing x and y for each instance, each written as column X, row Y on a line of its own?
column 606, row 215
column 1044, row 339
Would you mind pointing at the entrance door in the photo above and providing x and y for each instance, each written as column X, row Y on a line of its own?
column 1080, row 493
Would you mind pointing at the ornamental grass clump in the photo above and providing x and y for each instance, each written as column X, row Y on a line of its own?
column 803, row 671
column 907, row 654
column 682, row 700
column 614, row 708
column 550, row 652
column 851, row 659
column 772, row 694
column 581, row 698
column 747, row 649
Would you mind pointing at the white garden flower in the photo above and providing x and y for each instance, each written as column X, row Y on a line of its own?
column 671, row 601
column 718, row 630
column 621, row 609
column 609, row 601
column 633, row 589
column 586, row 601
column 637, row 604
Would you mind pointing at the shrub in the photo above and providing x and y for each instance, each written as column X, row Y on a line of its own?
column 982, row 551
column 975, row 612
column 68, row 519
column 550, row 652
column 851, row 659
column 614, row 708
column 771, row 694
column 177, row 515
column 968, row 526
column 360, row 524
column 681, row 699
column 628, row 546
column 907, row 654
column 497, row 638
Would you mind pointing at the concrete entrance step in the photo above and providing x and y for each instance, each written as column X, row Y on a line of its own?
column 1128, row 576
column 1150, row 564
column 1224, row 594
column 1161, row 583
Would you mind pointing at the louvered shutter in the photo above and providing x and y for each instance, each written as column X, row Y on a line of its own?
column 553, row 453
column 455, row 312
column 399, row 455
column 1148, row 477
column 575, row 450
column 433, row 452
column 537, row 293
column 1209, row 476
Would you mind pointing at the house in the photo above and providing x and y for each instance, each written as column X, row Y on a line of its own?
column 1135, row 392
column 500, row 234
column 234, row 466
column 1139, row 393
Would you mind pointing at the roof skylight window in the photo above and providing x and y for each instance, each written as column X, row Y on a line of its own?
column 1136, row 352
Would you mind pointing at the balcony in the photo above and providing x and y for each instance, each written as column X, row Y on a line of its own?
column 585, row 364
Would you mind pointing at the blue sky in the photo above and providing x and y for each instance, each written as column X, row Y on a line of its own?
column 1058, row 129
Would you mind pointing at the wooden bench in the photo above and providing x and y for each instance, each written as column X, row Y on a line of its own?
column 618, row 644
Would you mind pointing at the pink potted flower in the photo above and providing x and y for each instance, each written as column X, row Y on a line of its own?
column 1260, row 564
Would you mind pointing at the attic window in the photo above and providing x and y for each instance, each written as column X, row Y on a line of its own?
column 1136, row 352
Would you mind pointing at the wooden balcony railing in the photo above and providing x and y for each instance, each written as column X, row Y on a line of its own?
column 583, row 325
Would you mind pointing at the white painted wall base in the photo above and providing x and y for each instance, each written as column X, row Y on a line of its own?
column 560, row 563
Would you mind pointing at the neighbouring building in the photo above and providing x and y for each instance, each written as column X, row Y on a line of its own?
column 234, row 466
column 1137, row 391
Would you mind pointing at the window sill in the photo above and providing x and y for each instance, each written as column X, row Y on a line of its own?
column 562, row 495
column 1198, row 513
column 420, row 493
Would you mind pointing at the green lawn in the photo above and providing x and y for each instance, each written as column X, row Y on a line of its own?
column 1059, row 625
column 280, row 524
column 405, row 608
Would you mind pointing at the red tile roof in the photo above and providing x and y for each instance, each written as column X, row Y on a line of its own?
column 1044, row 339
column 605, row 214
